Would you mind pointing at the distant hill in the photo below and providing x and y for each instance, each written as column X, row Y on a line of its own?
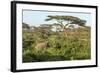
column 26, row 26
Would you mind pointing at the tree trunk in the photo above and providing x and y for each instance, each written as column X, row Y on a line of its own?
column 65, row 32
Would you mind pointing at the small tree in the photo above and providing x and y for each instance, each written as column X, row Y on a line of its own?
column 45, row 29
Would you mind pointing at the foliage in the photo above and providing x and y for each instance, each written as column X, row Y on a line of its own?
column 64, row 21
column 75, row 46
column 24, row 25
column 68, row 19
column 61, row 48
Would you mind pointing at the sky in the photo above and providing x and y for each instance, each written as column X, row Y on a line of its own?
column 35, row 18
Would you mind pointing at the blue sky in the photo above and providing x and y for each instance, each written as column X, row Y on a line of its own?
column 35, row 18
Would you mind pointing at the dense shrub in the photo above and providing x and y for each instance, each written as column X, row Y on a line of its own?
column 76, row 46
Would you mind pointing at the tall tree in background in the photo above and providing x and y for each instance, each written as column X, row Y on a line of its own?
column 64, row 21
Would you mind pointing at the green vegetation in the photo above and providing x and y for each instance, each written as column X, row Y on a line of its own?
column 64, row 43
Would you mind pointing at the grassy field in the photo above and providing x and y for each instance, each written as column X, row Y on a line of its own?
column 74, row 44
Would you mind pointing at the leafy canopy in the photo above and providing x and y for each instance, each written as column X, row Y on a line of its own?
column 68, row 19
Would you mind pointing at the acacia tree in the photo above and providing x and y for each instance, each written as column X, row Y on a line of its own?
column 57, row 26
column 64, row 21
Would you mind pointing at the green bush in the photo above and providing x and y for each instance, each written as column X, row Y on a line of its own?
column 72, row 47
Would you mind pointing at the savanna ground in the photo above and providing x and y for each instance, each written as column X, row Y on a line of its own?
column 72, row 44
